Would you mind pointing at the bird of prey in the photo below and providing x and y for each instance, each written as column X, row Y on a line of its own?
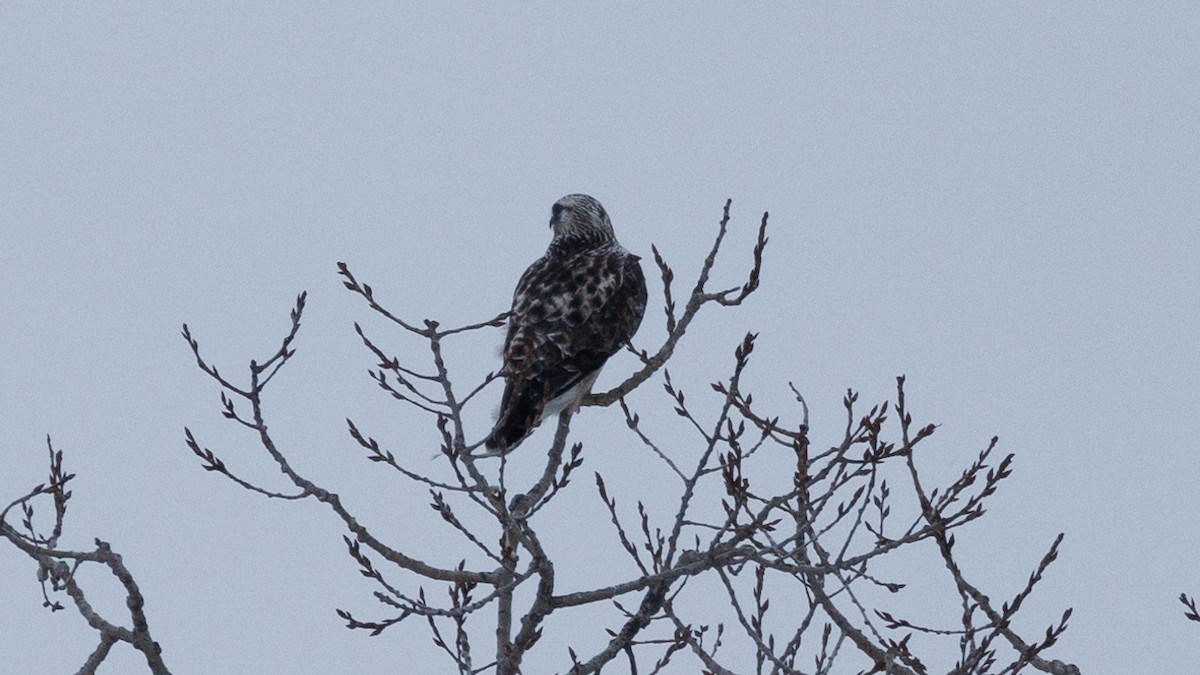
column 572, row 309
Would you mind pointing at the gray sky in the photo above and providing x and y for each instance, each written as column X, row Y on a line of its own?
column 999, row 201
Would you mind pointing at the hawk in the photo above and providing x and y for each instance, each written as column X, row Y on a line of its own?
column 572, row 309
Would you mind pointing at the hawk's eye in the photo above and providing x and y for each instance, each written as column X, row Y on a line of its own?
column 556, row 210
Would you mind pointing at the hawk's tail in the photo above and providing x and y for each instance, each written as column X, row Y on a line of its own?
column 519, row 414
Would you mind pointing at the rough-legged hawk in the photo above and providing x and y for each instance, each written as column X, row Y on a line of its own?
column 572, row 309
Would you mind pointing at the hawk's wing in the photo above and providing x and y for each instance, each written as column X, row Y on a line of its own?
column 569, row 315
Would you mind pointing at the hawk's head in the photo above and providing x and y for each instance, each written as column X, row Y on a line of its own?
column 580, row 218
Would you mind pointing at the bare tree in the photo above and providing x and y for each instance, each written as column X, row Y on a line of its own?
column 761, row 515
column 820, row 535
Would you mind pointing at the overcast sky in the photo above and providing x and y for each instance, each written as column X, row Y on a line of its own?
column 999, row 201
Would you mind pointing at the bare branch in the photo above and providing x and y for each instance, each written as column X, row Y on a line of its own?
column 53, row 568
column 698, row 299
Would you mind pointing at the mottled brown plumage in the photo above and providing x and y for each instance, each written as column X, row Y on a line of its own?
column 572, row 309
